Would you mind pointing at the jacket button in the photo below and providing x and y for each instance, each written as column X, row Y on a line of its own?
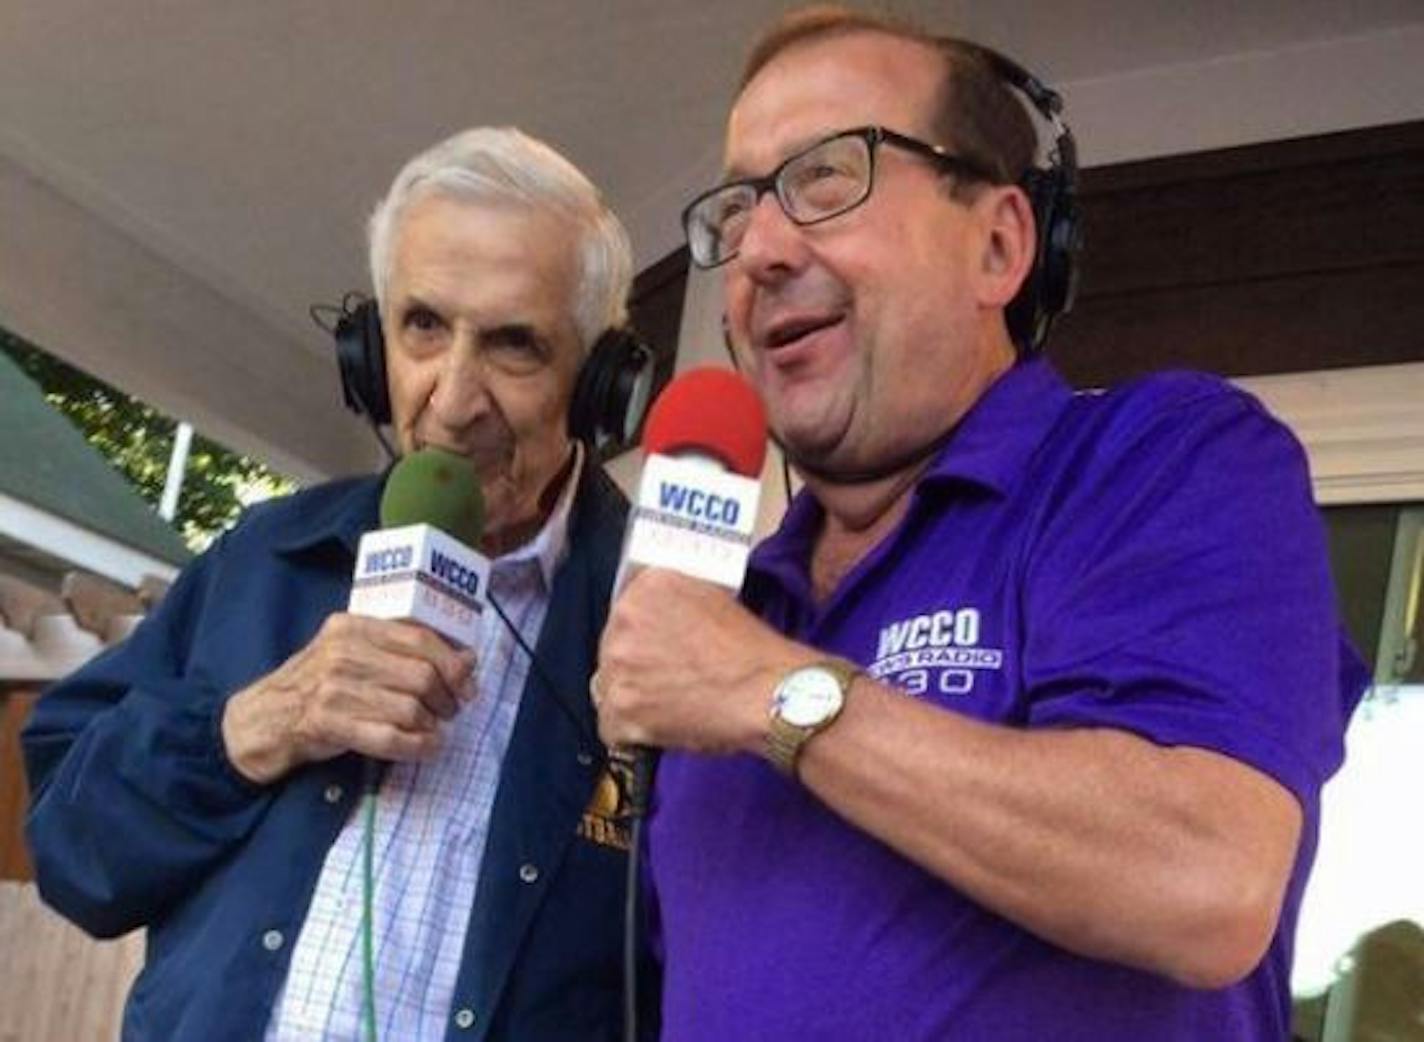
column 585, row 758
column 465, row 1019
column 272, row 940
column 529, row 873
column 332, row 794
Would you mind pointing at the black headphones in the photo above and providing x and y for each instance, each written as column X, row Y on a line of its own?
column 1049, row 289
column 610, row 397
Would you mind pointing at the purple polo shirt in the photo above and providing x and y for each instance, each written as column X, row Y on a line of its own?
column 1148, row 559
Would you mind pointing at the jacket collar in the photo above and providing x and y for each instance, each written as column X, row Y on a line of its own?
column 342, row 518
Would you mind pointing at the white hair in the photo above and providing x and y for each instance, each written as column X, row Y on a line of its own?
column 503, row 166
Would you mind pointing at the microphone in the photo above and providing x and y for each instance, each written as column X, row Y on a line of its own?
column 705, row 440
column 419, row 565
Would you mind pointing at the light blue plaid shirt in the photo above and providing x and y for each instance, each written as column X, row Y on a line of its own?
column 432, row 820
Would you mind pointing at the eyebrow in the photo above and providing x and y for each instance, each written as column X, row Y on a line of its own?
column 522, row 333
column 511, row 331
column 733, row 172
column 414, row 303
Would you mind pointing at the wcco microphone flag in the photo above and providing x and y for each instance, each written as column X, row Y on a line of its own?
column 697, row 497
column 416, row 571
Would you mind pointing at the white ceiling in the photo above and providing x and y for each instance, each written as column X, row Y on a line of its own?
column 179, row 179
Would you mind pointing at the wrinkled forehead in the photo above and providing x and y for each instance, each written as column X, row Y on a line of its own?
column 818, row 87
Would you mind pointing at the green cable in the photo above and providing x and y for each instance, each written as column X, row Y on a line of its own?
column 368, row 1004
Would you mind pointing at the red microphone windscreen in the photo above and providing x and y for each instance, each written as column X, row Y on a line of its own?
column 713, row 411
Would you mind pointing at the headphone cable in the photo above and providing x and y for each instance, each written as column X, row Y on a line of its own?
column 588, row 740
column 368, row 888
column 380, row 437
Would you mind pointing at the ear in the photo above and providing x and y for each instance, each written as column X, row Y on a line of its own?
column 1009, row 243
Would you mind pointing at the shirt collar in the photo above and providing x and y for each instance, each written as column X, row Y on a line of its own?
column 992, row 444
column 990, row 447
column 551, row 545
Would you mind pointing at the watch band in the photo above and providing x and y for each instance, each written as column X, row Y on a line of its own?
column 783, row 745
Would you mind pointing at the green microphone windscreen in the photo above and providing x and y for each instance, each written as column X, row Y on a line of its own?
column 435, row 487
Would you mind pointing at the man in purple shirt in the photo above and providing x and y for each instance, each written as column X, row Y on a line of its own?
column 1020, row 730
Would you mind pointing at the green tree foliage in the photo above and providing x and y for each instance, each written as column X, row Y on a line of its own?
column 138, row 440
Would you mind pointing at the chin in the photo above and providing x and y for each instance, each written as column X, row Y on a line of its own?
column 818, row 453
column 812, row 426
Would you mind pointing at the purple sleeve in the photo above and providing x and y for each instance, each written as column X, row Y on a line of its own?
column 1181, row 591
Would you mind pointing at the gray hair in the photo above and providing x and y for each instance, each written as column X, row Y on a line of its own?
column 504, row 166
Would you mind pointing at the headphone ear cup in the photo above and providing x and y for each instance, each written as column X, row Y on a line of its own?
column 1047, row 291
column 614, row 385
column 361, row 359
column 635, row 387
column 1061, row 243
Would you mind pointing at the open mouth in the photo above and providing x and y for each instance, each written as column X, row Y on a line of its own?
column 784, row 334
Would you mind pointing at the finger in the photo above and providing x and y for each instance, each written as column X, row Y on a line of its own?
column 412, row 640
column 405, row 711
column 421, row 681
column 660, row 582
column 386, row 742
column 616, row 727
column 608, row 731
column 394, row 661
column 368, row 702
column 616, row 732
column 631, row 573
column 455, row 664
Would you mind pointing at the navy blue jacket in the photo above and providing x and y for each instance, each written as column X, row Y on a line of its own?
column 137, row 819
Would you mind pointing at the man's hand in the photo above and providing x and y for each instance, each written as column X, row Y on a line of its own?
column 372, row 686
column 683, row 665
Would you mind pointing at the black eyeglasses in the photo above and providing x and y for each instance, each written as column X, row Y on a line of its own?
column 834, row 175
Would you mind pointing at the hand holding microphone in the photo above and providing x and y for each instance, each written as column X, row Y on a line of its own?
column 682, row 664
column 380, row 678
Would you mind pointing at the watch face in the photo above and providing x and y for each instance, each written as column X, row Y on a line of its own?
column 809, row 696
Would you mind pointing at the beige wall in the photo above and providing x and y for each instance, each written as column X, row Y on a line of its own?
column 57, row 984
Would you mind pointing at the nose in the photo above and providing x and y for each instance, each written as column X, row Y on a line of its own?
column 461, row 394
column 773, row 246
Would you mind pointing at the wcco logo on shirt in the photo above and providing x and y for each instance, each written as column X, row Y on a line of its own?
column 935, row 652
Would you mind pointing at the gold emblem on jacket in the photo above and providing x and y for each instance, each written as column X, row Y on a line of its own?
column 605, row 819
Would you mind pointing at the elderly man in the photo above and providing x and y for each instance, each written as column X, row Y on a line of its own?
column 201, row 779
column 1021, row 730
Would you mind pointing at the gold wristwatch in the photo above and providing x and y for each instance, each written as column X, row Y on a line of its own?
column 805, row 703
